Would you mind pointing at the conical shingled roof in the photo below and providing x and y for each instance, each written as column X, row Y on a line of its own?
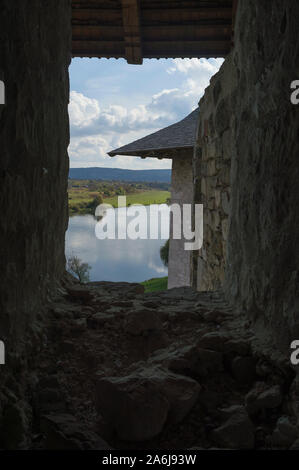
column 165, row 143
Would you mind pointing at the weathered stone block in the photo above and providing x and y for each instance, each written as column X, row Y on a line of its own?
column 217, row 197
column 138, row 405
column 211, row 167
column 237, row 432
column 222, row 116
column 225, row 202
column 224, row 228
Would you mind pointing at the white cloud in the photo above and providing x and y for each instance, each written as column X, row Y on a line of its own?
column 82, row 109
column 87, row 118
column 92, row 151
column 211, row 66
column 95, row 129
column 198, row 73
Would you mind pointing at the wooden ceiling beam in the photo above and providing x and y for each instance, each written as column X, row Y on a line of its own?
column 188, row 49
column 153, row 50
column 104, row 4
column 98, row 49
column 97, row 15
column 132, row 31
column 158, row 33
column 98, row 32
column 154, row 17
column 193, row 15
column 191, row 33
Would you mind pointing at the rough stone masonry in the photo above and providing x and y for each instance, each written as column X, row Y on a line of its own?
column 247, row 171
column 247, row 177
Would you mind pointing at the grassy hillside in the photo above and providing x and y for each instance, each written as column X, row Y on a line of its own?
column 155, row 284
column 83, row 192
column 145, row 198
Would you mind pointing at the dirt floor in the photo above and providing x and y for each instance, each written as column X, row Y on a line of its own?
column 178, row 369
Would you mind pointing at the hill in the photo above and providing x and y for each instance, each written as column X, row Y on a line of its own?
column 118, row 174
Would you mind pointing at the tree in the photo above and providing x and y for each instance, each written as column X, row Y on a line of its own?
column 120, row 191
column 79, row 269
column 97, row 200
column 164, row 253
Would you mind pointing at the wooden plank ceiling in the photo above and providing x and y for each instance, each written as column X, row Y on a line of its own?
column 138, row 29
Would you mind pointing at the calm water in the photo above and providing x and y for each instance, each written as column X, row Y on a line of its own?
column 119, row 260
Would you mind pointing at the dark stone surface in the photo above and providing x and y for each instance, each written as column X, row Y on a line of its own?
column 254, row 128
column 263, row 254
column 34, row 136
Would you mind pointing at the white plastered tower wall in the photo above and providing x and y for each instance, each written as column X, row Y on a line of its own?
column 180, row 260
column 175, row 142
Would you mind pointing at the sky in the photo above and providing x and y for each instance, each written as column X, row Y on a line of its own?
column 113, row 103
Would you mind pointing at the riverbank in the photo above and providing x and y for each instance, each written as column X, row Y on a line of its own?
column 79, row 206
column 145, row 198
column 81, row 195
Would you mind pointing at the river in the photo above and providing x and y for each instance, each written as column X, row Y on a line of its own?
column 119, row 259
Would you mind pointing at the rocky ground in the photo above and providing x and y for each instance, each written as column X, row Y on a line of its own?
column 171, row 370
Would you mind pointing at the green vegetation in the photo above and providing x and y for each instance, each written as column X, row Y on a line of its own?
column 155, row 284
column 158, row 283
column 79, row 269
column 85, row 195
column 164, row 253
column 97, row 200
column 146, row 198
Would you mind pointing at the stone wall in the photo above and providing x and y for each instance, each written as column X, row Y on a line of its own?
column 180, row 260
column 213, row 149
column 258, row 128
column 34, row 136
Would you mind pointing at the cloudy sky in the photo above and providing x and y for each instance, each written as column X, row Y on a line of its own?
column 113, row 103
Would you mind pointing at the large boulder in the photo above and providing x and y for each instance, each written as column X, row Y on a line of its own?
column 218, row 341
column 133, row 406
column 237, row 432
column 15, row 426
column 285, row 433
column 80, row 293
column 195, row 361
column 243, row 369
column 98, row 320
column 142, row 322
column 214, row 341
column 139, row 404
column 64, row 432
column 145, row 331
column 262, row 397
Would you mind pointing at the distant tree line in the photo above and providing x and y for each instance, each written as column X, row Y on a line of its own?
column 115, row 188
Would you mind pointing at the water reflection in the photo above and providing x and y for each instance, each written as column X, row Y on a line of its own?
column 120, row 259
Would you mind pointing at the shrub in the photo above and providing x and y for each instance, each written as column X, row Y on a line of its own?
column 97, row 200
column 164, row 253
column 79, row 269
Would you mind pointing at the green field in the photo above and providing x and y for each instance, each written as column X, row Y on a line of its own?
column 79, row 199
column 146, row 198
column 78, row 203
column 155, row 284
